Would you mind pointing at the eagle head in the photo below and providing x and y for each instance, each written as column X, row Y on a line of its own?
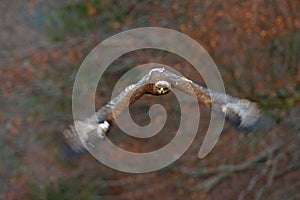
column 162, row 87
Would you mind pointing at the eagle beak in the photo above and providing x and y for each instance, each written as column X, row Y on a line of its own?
column 163, row 90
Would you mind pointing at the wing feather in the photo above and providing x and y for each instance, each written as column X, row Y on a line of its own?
column 243, row 114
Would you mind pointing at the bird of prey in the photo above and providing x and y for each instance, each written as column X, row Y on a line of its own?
column 243, row 114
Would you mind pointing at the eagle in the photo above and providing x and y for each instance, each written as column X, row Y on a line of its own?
column 241, row 113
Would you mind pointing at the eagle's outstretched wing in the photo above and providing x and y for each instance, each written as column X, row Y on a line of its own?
column 243, row 114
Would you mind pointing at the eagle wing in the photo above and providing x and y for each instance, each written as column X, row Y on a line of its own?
column 242, row 113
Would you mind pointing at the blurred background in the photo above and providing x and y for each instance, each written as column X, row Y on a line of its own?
column 255, row 44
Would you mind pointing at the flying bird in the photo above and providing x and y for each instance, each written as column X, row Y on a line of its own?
column 241, row 113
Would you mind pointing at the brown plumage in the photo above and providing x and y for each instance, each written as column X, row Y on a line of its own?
column 243, row 114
